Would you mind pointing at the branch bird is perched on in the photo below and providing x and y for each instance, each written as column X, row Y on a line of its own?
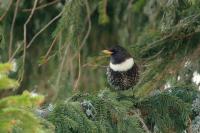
column 122, row 72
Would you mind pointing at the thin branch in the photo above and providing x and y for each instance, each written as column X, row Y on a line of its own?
column 61, row 69
column 51, row 56
column 15, row 52
column 157, row 42
column 93, row 65
column 129, row 4
column 25, row 37
column 93, row 62
column 88, row 31
column 41, row 6
column 79, row 73
column 52, row 44
column 156, row 55
column 82, row 44
column 12, row 29
column 189, row 129
column 137, row 114
column 4, row 14
column 46, row 57
column 47, row 25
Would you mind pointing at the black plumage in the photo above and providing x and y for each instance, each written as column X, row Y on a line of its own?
column 124, row 79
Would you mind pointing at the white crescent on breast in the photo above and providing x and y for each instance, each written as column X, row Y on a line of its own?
column 124, row 66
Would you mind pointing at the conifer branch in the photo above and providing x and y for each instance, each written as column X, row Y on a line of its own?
column 88, row 30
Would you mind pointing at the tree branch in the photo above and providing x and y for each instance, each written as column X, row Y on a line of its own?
column 137, row 114
column 47, row 25
column 88, row 31
column 4, row 14
column 25, row 38
column 41, row 6
column 12, row 29
column 79, row 73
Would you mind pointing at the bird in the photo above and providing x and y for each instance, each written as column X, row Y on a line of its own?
column 122, row 71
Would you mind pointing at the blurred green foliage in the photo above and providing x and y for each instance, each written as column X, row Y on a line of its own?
column 15, row 111
column 61, row 57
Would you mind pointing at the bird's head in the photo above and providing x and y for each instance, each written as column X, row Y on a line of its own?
column 117, row 54
column 120, row 59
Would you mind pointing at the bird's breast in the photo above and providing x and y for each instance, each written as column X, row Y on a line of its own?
column 123, row 66
column 122, row 80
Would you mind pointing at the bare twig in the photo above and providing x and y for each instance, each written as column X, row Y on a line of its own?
column 81, row 46
column 94, row 65
column 129, row 4
column 4, row 14
column 61, row 69
column 156, row 55
column 189, row 129
column 42, row 6
column 79, row 73
column 15, row 52
column 47, row 58
column 12, row 29
column 88, row 31
column 93, row 62
column 25, row 38
column 157, row 42
column 52, row 44
column 137, row 114
column 47, row 25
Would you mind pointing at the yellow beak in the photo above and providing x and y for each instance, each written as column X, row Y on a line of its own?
column 107, row 52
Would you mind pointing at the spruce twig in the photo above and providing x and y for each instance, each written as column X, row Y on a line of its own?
column 88, row 30
column 138, row 113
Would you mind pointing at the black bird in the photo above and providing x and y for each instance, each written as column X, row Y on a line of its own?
column 122, row 72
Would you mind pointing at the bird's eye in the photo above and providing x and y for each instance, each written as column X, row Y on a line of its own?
column 114, row 51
